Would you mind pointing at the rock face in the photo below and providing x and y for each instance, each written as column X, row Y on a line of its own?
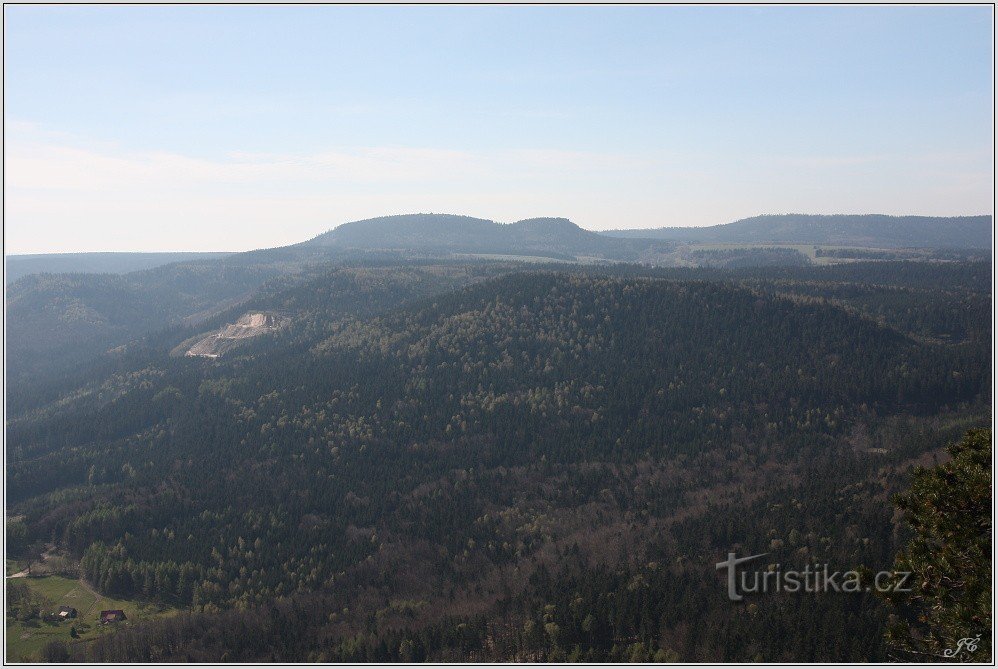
column 228, row 337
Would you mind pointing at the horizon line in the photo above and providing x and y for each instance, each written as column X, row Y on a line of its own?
column 24, row 254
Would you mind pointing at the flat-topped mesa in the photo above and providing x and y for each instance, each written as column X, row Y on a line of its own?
column 226, row 338
column 444, row 234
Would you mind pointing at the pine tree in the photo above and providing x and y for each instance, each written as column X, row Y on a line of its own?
column 946, row 613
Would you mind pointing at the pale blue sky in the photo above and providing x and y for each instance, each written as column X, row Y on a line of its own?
column 195, row 128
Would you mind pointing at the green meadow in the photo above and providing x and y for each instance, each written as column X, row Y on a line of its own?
column 26, row 639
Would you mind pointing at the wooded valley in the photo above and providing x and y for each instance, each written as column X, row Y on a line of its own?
column 486, row 460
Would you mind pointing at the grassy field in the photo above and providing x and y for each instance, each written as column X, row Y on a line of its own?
column 25, row 640
column 503, row 256
column 810, row 250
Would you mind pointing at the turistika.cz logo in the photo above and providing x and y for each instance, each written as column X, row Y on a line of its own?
column 813, row 578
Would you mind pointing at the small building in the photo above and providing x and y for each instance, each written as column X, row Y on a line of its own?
column 66, row 612
column 112, row 616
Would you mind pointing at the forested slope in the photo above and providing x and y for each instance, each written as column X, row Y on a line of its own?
column 873, row 230
column 480, row 462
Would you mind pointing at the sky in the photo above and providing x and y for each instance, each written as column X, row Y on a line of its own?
column 169, row 128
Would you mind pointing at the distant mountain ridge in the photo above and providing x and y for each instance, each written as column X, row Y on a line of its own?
column 56, row 320
column 553, row 237
column 872, row 230
column 96, row 263
column 435, row 233
column 556, row 237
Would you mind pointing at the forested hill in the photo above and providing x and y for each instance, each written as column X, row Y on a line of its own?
column 58, row 321
column 871, row 230
column 467, row 462
column 436, row 233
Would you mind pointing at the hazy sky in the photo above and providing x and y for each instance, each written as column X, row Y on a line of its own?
column 230, row 128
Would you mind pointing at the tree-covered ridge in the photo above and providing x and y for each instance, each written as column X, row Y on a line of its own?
column 59, row 322
column 448, row 233
column 421, row 440
column 873, row 230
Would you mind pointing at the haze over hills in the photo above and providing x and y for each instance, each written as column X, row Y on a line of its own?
column 552, row 237
column 340, row 429
column 95, row 263
column 429, row 233
column 872, row 230
column 444, row 232
column 62, row 319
